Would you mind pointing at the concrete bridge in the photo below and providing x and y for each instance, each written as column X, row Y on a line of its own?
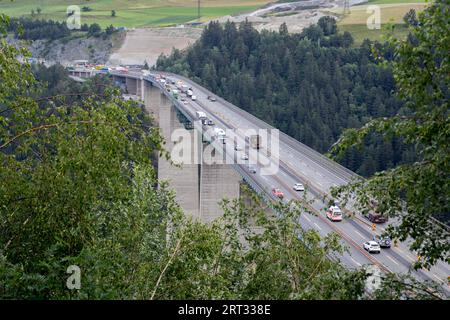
column 200, row 186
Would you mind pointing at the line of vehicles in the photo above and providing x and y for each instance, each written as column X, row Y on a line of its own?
column 98, row 68
column 333, row 213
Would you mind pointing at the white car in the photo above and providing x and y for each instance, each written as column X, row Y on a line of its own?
column 238, row 148
column 299, row 187
column 252, row 169
column 194, row 98
column 244, row 157
column 372, row 247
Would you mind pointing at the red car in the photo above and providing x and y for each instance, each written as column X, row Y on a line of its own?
column 277, row 193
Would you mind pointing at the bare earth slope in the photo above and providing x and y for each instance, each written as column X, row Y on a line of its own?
column 142, row 45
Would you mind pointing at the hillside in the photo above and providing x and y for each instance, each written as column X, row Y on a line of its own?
column 311, row 85
column 131, row 13
column 391, row 13
column 147, row 44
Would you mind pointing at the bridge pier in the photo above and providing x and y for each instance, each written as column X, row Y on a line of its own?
column 152, row 100
column 217, row 181
column 199, row 187
column 185, row 179
column 132, row 86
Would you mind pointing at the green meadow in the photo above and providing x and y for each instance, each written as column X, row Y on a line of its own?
column 130, row 13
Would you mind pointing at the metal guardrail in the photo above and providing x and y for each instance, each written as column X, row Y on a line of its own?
column 323, row 161
column 320, row 159
column 238, row 167
column 317, row 157
column 260, row 189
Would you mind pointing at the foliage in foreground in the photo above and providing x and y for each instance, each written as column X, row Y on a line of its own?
column 77, row 187
column 417, row 193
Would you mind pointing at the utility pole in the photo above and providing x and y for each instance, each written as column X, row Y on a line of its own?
column 346, row 7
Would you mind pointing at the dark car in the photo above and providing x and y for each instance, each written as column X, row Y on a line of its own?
column 376, row 217
column 383, row 241
column 210, row 122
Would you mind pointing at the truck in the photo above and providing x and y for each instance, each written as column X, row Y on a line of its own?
column 220, row 134
column 201, row 115
column 373, row 215
column 184, row 88
column 255, row 141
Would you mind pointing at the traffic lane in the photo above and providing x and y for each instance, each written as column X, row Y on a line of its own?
column 439, row 272
column 388, row 257
column 351, row 258
column 358, row 261
column 348, row 231
column 237, row 121
column 285, row 176
column 316, row 224
column 366, row 233
column 360, row 236
column 399, row 254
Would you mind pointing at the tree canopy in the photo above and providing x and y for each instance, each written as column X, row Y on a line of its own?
column 77, row 187
column 418, row 192
column 311, row 85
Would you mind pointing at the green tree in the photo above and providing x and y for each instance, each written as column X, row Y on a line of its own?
column 109, row 30
column 77, row 186
column 94, row 30
column 416, row 193
column 328, row 25
column 113, row 13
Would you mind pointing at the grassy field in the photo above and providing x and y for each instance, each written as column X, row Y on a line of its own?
column 391, row 12
column 395, row 1
column 131, row 13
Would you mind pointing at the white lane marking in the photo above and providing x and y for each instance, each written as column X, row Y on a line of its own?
column 436, row 277
column 406, row 255
column 392, row 260
column 357, row 263
column 307, row 218
column 360, row 234
column 317, row 226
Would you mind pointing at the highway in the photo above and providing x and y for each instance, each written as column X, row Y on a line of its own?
column 299, row 163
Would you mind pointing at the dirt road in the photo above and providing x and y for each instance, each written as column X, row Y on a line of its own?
column 142, row 45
